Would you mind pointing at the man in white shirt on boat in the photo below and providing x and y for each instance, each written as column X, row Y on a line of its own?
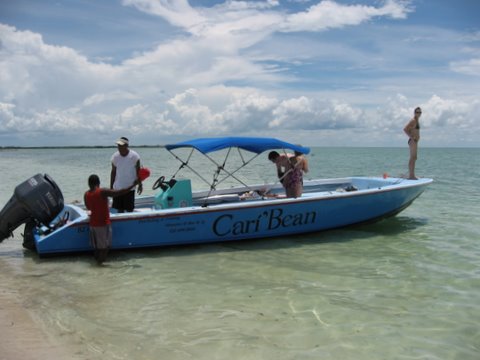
column 125, row 168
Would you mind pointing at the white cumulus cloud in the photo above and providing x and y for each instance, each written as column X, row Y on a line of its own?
column 227, row 69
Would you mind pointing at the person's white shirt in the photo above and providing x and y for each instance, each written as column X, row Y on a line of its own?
column 126, row 169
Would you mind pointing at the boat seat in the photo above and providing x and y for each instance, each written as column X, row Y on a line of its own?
column 144, row 209
column 218, row 199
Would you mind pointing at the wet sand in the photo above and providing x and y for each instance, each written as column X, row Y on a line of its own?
column 23, row 338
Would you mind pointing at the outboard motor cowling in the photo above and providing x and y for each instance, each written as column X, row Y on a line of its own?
column 38, row 198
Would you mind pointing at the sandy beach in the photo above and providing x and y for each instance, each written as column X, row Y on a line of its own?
column 21, row 337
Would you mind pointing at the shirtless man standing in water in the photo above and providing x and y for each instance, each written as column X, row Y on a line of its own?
column 413, row 132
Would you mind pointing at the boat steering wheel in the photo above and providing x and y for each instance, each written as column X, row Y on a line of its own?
column 160, row 183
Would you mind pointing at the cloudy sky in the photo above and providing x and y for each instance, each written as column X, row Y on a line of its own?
column 316, row 72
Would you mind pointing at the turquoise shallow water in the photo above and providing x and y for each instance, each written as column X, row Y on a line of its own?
column 405, row 288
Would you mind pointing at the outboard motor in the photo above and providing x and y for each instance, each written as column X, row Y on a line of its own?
column 36, row 200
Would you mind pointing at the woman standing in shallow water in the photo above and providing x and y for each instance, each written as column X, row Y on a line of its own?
column 413, row 132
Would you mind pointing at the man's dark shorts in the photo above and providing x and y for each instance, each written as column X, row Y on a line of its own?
column 124, row 203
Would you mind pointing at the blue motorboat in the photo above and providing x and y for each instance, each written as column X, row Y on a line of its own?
column 176, row 215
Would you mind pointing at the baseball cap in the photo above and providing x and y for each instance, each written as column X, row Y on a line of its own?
column 122, row 141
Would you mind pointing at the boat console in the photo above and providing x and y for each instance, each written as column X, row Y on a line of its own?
column 176, row 194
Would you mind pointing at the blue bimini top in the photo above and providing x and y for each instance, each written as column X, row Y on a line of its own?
column 253, row 144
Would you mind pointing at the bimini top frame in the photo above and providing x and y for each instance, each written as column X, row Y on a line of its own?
column 253, row 145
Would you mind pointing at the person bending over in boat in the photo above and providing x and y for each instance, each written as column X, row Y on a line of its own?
column 290, row 170
column 412, row 129
column 300, row 162
column 96, row 200
column 294, row 180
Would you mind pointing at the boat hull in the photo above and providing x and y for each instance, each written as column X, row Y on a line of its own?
column 373, row 200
